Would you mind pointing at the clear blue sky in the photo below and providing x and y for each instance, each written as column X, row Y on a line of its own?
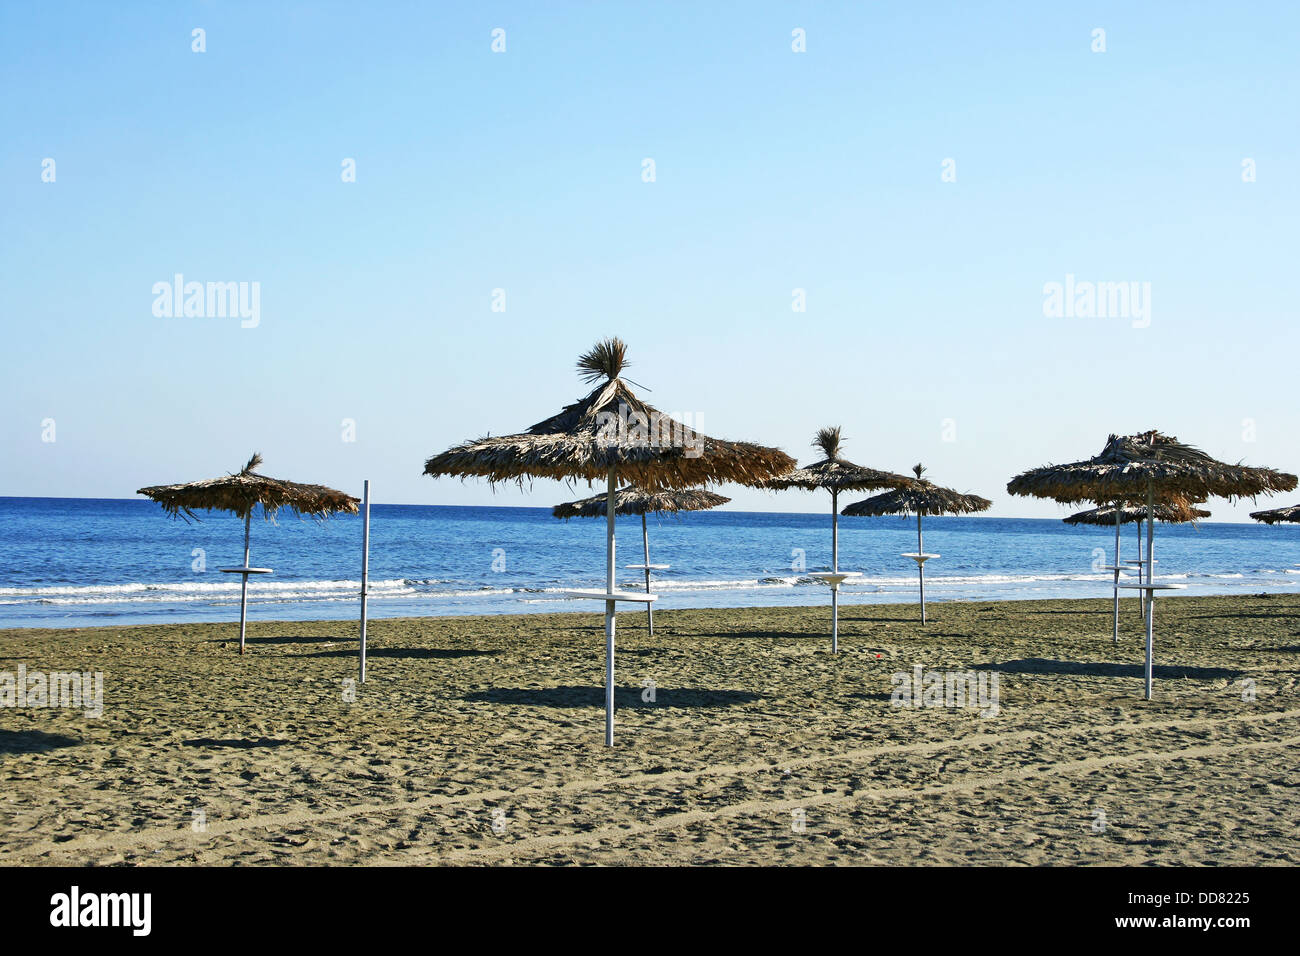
column 522, row 170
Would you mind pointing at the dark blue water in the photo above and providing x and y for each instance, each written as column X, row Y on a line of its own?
column 78, row 562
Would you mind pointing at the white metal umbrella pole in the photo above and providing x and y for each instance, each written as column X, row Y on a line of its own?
column 243, row 587
column 833, row 578
column 244, row 571
column 1116, row 570
column 835, row 569
column 610, row 509
column 645, row 547
column 1151, row 604
column 835, row 530
column 920, row 565
column 835, row 619
column 1151, row 557
column 1142, row 598
column 365, row 572
column 1142, row 566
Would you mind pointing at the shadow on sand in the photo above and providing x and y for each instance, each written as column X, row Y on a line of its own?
column 856, row 619
column 1099, row 612
column 407, row 653
column 1289, row 615
column 285, row 639
column 33, row 741
column 749, row 635
column 1039, row 665
column 575, row 696
column 238, row 743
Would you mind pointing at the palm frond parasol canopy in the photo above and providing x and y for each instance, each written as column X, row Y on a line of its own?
column 1130, row 465
column 610, row 433
column 1167, row 513
column 1143, row 468
column 611, row 429
column 241, row 493
column 632, row 500
column 1171, row 511
column 1277, row 514
column 919, row 497
column 835, row 474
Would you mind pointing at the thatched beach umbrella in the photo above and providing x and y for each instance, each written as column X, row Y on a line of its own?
column 611, row 434
column 632, row 500
column 1277, row 515
column 1173, row 511
column 240, row 493
column 835, row 474
column 1134, row 467
column 921, row 497
column 1168, row 513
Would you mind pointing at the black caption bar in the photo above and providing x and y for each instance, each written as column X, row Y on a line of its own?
column 334, row 906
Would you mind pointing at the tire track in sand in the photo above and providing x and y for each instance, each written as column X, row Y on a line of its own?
column 158, row 837
column 617, row 833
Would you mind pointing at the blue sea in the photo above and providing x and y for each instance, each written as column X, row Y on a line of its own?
column 71, row 562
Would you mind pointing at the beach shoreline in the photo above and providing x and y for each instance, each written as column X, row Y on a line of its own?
column 740, row 740
column 121, row 563
column 900, row 594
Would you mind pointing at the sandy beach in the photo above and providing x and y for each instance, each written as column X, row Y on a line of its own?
column 479, row 741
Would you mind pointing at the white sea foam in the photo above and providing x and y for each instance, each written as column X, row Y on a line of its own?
column 431, row 589
column 216, row 591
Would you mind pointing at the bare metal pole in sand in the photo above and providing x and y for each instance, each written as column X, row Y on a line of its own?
column 645, row 547
column 835, row 569
column 610, row 510
column 1151, row 604
column 243, row 587
column 365, row 573
column 1116, row 572
column 1142, row 598
column 920, row 564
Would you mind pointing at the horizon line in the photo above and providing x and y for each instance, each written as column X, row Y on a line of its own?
column 723, row 508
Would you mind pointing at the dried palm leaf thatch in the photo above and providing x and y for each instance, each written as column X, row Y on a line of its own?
column 1277, row 514
column 1167, row 513
column 1130, row 464
column 920, row 497
column 604, row 361
column 631, row 500
column 1149, row 467
column 611, row 428
column 244, row 490
column 611, row 434
column 835, row 473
